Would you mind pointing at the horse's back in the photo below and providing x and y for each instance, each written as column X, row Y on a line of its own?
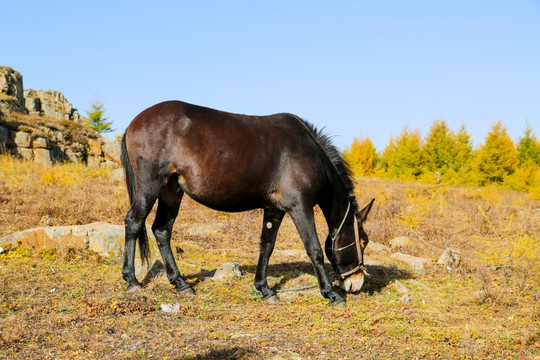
column 238, row 161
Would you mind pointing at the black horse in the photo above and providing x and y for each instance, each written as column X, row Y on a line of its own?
column 231, row 162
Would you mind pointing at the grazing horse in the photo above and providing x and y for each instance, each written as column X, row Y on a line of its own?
column 231, row 162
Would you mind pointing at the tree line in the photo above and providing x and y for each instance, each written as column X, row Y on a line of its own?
column 445, row 156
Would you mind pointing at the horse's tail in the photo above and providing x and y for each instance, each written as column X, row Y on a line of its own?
column 144, row 249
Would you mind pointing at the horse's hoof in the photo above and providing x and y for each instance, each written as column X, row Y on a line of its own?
column 339, row 304
column 134, row 289
column 186, row 292
column 273, row 299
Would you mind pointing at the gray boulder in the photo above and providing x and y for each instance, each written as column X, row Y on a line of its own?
column 103, row 238
column 117, row 175
column 416, row 263
column 227, row 271
column 40, row 143
column 376, row 247
column 450, row 259
column 400, row 242
column 43, row 156
column 22, row 139
column 111, row 150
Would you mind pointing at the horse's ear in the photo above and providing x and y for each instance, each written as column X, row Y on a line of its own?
column 365, row 211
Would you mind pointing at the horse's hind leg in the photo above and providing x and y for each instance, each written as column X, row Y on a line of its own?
column 271, row 222
column 135, row 222
column 168, row 205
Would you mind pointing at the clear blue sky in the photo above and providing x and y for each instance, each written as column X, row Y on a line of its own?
column 357, row 68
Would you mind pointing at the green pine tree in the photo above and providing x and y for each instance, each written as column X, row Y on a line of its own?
column 529, row 147
column 497, row 157
column 463, row 151
column 401, row 158
column 96, row 119
column 438, row 148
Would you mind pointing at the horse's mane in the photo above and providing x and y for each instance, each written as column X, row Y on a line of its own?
column 334, row 155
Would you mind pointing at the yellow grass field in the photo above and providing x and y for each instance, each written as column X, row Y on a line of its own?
column 73, row 304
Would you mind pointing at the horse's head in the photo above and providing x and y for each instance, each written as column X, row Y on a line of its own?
column 345, row 248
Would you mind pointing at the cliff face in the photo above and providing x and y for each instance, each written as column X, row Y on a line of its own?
column 50, row 103
column 11, row 91
column 43, row 126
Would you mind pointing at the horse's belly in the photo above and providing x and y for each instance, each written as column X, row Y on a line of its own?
column 220, row 195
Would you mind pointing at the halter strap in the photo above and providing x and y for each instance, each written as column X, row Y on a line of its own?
column 356, row 241
column 341, row 225
column 358, row 250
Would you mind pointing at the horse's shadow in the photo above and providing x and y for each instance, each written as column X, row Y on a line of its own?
column 377, row 277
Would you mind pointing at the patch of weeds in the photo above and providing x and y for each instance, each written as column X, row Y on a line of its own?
column 48, row 254
column 11, row 252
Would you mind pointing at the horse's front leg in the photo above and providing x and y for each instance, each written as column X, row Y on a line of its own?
column 167, row 210
column 303, row 218
column 271, row 222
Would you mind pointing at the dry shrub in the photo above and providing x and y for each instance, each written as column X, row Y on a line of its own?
column 71, row 194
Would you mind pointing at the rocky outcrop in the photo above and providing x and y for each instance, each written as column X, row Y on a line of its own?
column 11, row 91
column 50, row 103
column 60, row 137
column 47, row 143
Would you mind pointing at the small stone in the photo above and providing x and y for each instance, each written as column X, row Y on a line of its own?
column 108, row 164
column 46, row 220
column 418, row 283
column 376, row 247
column 416, row 263
column 169, row 308
column 293, row 253
column 227, row 270
column 402, row 289
column 400, row 242
column 536, row 212
column 450, row 259
column 92, row 161
column 117, row 175
column 405, row 299
column 1, row 249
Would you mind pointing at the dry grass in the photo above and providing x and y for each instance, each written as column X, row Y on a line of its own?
column 469, row 313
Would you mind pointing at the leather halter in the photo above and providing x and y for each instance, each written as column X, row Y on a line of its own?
column 356, row 242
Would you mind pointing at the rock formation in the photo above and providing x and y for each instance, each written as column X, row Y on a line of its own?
column 50, row 103
column 11, row 90
column 52, row 131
